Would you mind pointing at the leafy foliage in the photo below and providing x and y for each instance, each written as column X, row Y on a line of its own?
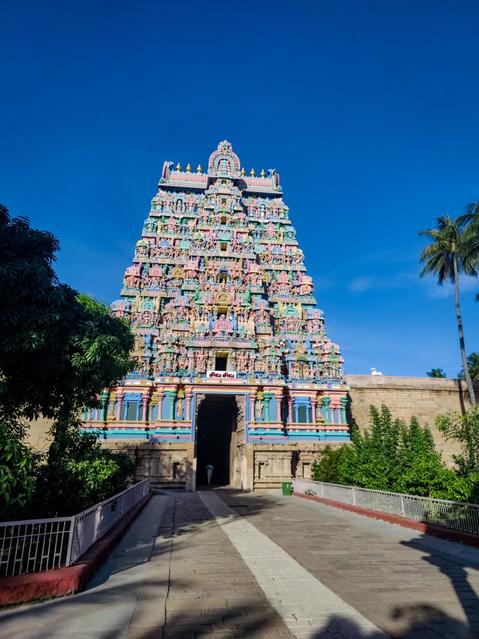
column 58, row 349
column 326, row 467
column 436, row 373
column 78, row 472
column 394, row 456
column 450, row 242
column 473, row 365
column 464, row 429
column 18, row 469
column 454, row 249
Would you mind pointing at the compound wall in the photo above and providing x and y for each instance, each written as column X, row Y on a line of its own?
column 422, row 397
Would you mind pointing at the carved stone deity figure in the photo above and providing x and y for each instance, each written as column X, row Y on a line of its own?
column 222, row 325
column 179, row 407
column 259, row 406
column 171, row 225
column 242, row 361
column 183, row 361
column 200, row 361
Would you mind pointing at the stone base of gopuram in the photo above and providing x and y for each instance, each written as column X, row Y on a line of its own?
column 272, row 464
column 258, row 466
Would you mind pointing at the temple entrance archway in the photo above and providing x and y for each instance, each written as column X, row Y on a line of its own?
column 220, row 440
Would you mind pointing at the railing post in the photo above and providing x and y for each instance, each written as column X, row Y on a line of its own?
column 322, row 489
column 353, row 493
column 402, row 506
column 68, row 560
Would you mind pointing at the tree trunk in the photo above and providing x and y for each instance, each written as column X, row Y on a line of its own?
column 460, row 330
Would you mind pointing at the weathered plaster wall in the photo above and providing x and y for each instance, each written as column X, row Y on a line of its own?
column 423, row 397
column 38, row 434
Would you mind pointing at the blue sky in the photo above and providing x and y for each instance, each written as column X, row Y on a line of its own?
column 367, row 109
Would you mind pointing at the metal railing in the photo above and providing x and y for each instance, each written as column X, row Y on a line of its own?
column 456, row 515
column 35, row 545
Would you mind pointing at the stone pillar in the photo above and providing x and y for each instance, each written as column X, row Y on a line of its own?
column 119, row 400
column 104, row 406
column 145, row 408
column 327, row 412
column 290, row 410
column 313, row 409
column 161, row 395
column 252, row 399
column 172, row 396
column 188, row 396
column 110, row 415
column 266, row 398
column 344, row 403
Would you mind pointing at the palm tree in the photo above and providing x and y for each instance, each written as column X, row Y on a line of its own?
column 473, row 364
column 437, row 373
column 473, row 234
column 452, row 251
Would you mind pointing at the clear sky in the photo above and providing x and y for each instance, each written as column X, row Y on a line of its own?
column 368, row 109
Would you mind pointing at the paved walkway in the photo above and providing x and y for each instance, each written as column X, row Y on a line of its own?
column 190, row 566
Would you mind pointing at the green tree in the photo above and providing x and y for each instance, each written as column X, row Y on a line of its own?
column 79, row 472
column 18, row 470
column 326, row 467
column 452, row 251
column 58, row 349
column 371, row 459
column 473, row 365
column 420, row 467
column 436, row 373
column 393, row 456
column 465, row 430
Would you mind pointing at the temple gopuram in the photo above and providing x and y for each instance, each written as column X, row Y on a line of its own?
column 233, row 365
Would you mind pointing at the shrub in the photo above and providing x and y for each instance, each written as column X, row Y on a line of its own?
column 401, row 458
column 465, row 430
column 79, row 472
column 18, row 469
column 326, row 467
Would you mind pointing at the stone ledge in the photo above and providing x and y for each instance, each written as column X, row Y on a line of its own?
column 71, row 579
column 403, row 382
column 445, row 533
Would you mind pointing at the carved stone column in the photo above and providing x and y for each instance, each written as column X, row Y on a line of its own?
column 327, row 411
column 119, row 400
column 252, row 399
column 145, row 399
column 160, row 396
column 344, row 403
column 313, row 409
column 290, row 410
column 188, row 396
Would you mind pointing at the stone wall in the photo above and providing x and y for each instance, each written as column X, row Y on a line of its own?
column 423, row 397
column 38, row 434
column 267, row 465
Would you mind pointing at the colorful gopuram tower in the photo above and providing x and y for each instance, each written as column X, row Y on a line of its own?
column 234, row 367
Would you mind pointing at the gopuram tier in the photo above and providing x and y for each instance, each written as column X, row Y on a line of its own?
column 233, row 365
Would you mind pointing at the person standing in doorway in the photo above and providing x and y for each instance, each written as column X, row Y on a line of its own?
column 209, row 473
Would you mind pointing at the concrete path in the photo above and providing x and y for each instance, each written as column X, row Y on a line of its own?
column 305, row 604
column 191, row 566
column 174, row 575
column 408, row 584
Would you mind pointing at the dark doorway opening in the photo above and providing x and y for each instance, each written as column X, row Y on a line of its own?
column 221, row 362
column 216, row 422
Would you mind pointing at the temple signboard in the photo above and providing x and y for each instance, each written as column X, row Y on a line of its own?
column 221, row 374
